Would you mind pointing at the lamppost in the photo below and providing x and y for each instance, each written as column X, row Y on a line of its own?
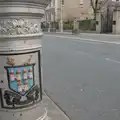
column 20, row 55
column 61, row 12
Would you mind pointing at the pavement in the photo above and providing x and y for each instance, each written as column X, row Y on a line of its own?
column 54, row 112
column 82, row 33
column 88, row 36
column 82, row 75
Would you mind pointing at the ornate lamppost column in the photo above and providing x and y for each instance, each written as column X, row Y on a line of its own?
column 20, row 54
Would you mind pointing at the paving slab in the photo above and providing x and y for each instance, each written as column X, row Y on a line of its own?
column 54, row 112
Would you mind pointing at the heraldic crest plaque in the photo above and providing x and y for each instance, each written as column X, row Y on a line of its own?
column 21, row 78
column 24, row 87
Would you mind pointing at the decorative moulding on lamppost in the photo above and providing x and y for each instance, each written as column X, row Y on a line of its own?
column 20, row 55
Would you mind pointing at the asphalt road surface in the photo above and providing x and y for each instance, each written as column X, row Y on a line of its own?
column 83, row 76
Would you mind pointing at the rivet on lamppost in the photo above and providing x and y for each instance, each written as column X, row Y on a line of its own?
column 20, row 55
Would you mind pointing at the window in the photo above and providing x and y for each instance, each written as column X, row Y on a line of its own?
column 114, row 22
column 90, row 3
column 62, row 2
column 81, row 2
column 52, row 3
column 97, row 22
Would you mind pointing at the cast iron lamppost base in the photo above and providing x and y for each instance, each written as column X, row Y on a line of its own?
column 20, row 55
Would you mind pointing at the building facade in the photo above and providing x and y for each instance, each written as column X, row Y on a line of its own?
column 50, row 11
column 79, row 9
column 71, row 9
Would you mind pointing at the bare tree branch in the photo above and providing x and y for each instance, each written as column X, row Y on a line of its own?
column 97, row 5
column 92, row 4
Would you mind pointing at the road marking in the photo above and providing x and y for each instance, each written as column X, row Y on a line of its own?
column 75, row 40
column 90, row 42
column 83, row 39
column 108, row 35
column 92, row 34
column 111, row 60
column 108, row 59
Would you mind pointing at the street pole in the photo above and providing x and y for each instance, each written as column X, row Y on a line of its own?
column 61, row 21
column 20, row 60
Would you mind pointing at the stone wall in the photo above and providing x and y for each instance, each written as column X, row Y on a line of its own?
column 116, row 22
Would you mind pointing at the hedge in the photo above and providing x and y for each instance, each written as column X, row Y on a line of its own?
column 86, row 25
column 67, row 26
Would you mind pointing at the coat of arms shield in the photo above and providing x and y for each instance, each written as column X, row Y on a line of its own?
column 20, row 78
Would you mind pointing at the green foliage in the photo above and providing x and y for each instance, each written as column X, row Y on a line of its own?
column 68, row 25
column 86, row 25
column 55, row 25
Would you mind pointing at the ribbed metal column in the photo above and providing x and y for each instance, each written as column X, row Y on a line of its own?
column 20, row 55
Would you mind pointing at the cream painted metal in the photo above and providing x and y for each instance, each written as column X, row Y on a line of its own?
column 20, row 55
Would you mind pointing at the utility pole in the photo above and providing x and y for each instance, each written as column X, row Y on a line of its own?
column 61, row 21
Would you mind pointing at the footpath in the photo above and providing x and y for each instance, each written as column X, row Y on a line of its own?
column 54, row 112
column 82, row 33
column 89, row 36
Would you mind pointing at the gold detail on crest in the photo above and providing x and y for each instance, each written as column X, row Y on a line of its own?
column 10, row 61
column 29, row 60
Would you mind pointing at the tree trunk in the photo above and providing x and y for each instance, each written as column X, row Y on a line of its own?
column 94, row 22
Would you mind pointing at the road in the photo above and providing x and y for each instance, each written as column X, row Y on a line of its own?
column 83, row 75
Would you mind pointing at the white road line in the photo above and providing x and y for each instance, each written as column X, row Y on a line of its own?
column 97, row 43
column 108, row 59
column 83, row 39
column 111, row 60
column 108, row 35
column 75, row 40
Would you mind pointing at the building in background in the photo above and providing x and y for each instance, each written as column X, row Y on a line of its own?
column 50, row 13
column 71, row 9
column 79, row 9
column 107, row 19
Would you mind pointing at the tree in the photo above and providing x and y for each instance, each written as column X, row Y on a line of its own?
column 96, row 6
